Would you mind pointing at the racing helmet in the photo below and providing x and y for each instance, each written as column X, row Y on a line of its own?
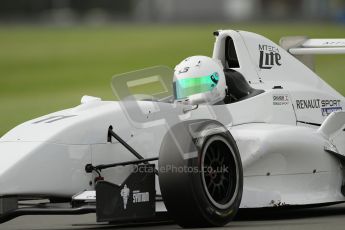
column 199, row 79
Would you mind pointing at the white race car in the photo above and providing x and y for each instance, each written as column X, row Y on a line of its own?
column 251, row 127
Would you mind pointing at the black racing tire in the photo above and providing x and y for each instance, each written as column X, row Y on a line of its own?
column 200, row 174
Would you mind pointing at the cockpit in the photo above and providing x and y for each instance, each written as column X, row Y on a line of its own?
column 158, row 84
column 238, row 87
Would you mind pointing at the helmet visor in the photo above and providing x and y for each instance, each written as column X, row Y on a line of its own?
column 188, row 86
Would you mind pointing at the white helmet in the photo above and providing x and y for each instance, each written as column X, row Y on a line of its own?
column 199, row 79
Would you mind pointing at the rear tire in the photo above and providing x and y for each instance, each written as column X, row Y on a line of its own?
column 201, row 176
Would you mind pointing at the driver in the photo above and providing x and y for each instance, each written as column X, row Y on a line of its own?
column 199, row 80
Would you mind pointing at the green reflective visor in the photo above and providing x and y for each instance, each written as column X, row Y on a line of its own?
column 189, row 86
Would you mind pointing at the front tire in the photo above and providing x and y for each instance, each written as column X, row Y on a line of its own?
column 201, row 175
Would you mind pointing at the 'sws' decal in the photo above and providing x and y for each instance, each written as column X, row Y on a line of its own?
column 269, row 56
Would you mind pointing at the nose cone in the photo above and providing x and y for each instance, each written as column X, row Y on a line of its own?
column 43, row 169
column 11, row 153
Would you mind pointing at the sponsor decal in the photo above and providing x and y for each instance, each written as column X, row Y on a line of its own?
column 333, row 43
column 280, row 99
column 308, row 104
column 137, row 196
column 331, row 103
column 53, row 119
column 269, row 57
column 327, row 111
column 125, row 194
column 326, row 106
column 184, row 70
column 140, row 197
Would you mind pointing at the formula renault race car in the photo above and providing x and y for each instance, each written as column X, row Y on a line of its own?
column 251, row 127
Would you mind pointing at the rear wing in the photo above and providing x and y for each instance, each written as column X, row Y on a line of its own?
column 304, row 48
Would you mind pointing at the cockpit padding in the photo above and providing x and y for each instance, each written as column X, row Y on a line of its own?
column 238, row 88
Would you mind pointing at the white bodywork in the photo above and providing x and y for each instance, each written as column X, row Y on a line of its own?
column 278, row 133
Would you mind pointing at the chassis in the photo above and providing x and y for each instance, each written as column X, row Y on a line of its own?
column 278, row 140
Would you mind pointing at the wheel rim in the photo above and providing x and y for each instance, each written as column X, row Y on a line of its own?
column 220, row 172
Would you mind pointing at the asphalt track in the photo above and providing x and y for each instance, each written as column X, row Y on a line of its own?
column 332, row 217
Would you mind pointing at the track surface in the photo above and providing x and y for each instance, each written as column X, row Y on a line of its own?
column 332, row 217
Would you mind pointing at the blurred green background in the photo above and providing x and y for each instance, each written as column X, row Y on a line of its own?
column 45, row 69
